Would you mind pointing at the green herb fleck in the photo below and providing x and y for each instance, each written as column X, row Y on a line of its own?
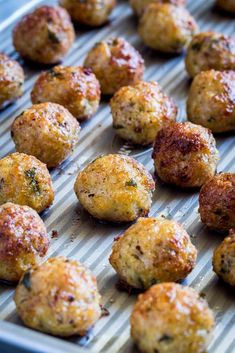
column 165, row 338
column 118, row 127
column 31, row 175
column 140, row 282
column 54, row 73
column 53, row 37
column 196, row 46
column 131, row 182
column 26, row 280
column 115, row 41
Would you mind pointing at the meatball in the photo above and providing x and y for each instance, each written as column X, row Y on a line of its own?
column 139, row 6
column 210, row 50
column 11, row 80
column 26, row 181
column 47, row 131
column 74, row 87
column 115, row 188
column 217, row 202
column 170, row 318
column 167, row 28
column 23, row 240
column 211, row 100
column 153, row 250
column 224, row 259
column 45, row 35
column 115, row 63
column 59, row 297
column 89, row 12
column 227, row 5
column 185, row 155
column 140, row 111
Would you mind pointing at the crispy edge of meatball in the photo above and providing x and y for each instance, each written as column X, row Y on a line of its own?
column 71, row 90
column 179, row 271
column 54, row 48
column 139, row 95
column 162, row 298
column 148, row 184
column 19, row 247
column 212, row 193
column 12, row 165
column 11, row 80
column 204, row 44
column 118, row 59
column 174, row 139
column 65, row 297
column 223, row 266
column 210, row 101
column 170, row 42
column 89, row 13
column 58, row 143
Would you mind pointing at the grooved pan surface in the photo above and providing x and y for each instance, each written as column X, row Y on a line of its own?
column 80, row 236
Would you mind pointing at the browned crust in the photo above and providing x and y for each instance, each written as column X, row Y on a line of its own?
column 217, row 202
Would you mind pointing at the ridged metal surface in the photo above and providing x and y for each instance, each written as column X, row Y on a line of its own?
column 81, row 237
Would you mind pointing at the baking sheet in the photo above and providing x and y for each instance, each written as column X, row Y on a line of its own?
column 83, row 238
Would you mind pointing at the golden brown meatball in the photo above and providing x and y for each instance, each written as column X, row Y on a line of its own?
column 211, row 100
column 59, row 297
column 45, row 35
column 11, row 80
column 153, row 250
column 115, row 63
column 89, row 12
column 115, row 188
column 227, row 5
column 217, row 202
column 170, row 318
column 224, row 259
column 26, row 181
column 139, row 6
column 210, row 50
column 23, row 240
column 167, row 28
column 74, row 87
column 185, row 155
column 140, row 111
column 47, row 131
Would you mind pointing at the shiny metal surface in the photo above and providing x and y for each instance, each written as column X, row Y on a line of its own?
column 90, row 242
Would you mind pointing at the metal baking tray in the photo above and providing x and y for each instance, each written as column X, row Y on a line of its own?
column 83, row 238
